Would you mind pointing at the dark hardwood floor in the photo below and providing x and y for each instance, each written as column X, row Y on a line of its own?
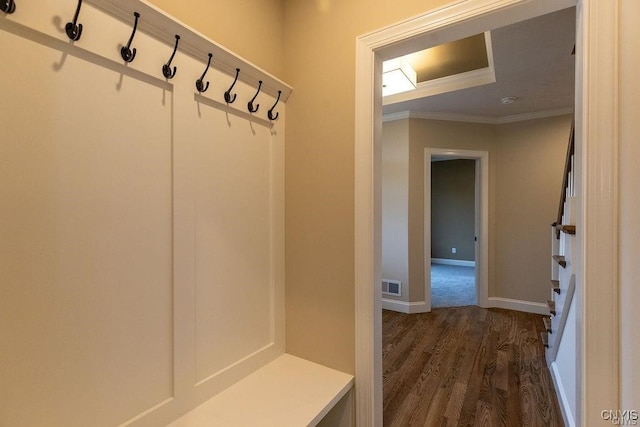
column 466, row 366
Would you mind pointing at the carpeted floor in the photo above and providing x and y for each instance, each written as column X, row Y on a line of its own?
column 452, row 286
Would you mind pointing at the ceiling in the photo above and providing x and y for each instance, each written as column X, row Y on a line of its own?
column 533, row 62
column 450, row 58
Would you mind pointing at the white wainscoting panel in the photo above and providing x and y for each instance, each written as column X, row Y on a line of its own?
column 234, row 289
column 86, row 253
column 141, row 223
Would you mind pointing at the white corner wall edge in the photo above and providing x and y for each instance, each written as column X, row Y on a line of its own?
column 404, row 306
column 562, row 396
column 289, row 391
column 519, row 305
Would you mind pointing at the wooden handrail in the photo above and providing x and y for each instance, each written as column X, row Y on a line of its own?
column 567, row 172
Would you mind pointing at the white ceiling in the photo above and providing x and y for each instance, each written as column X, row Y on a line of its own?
column 533, row 62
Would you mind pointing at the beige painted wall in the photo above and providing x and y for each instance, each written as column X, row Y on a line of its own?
column 629, row 203
column 528, row 180
column 526, row 161
column 395, row 204
column 252, row 29
column 443, row 134
column 319, row 51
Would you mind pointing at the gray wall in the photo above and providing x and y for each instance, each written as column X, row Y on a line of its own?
column 452, row 209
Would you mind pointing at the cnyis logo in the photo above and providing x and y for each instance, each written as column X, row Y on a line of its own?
column 627, row 417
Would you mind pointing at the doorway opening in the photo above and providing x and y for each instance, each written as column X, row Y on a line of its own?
column 456, row 227
column 450, row 23
column 453, row 232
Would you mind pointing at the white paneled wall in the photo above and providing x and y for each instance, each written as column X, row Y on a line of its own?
column 238, row 196
column 141, row 226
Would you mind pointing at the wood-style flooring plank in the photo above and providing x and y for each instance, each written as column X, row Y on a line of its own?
column 466, row 366
column 409, row 358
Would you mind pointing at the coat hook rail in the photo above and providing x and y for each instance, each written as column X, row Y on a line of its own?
column 200, row 82
column 164, row 28
column 8, row 6
column 73, row 29
column 227, row 95
column 250, row 106
column 166, row 68
column 270, row 112
column 127, row 54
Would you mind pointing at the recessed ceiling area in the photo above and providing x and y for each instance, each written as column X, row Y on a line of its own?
column 450, row 58
column 532, row 62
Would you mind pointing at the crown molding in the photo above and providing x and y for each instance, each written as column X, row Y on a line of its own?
column 468, row 118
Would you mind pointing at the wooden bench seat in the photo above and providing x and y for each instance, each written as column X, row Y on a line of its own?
column 289, row 391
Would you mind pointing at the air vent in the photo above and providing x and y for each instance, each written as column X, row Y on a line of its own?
column 392, row 287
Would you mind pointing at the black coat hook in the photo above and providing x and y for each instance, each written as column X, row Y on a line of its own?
column 200, row 82
column 127, row 54
column 270, row 112
column 227, row 95
column 8, row 6
column 250, row 104
column 166, row 68
column 73, row 29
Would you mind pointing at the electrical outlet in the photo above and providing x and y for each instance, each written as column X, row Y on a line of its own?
column 454, row 250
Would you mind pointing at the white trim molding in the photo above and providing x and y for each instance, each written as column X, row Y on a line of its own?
column 453, row 117
column 597, row 154
column 368, row 237
column 404, row 306
column 458, row 262
column 519, row 305
column 563, row 400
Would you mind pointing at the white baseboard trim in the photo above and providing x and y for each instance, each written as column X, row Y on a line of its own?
column 519, row 305
column 493, row 302
column 458, row 262
column 404, row 306
column 563, row 401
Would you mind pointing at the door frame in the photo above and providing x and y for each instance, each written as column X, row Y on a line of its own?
column 481, row 219
column 597, row 166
